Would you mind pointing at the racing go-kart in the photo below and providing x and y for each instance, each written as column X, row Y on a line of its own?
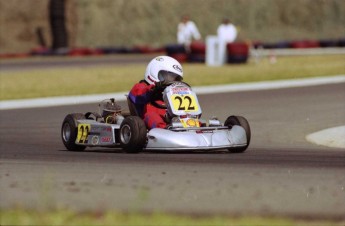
column 113, row 127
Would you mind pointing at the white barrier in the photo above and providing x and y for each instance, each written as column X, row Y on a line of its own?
column 215, row 52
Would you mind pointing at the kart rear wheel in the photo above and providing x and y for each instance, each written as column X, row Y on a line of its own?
column 133, row 134
column 239, row 121
column 69, row 132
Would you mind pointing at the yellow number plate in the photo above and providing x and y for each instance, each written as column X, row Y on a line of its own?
column 185, row 103
column 83, row 132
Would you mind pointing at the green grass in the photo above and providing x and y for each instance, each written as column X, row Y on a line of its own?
column 108, row 79
column 65, row 217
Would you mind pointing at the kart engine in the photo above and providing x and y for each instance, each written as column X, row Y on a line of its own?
column 111, row 111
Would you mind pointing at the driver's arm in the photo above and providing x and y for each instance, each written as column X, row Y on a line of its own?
column 141, row 93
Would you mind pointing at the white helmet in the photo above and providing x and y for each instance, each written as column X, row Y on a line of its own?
column 163, row 69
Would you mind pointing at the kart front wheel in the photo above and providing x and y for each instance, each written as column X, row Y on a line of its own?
column 239, row 121
column 69, row 132
column 133, row 134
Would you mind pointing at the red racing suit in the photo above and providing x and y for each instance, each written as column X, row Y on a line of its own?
column 143, row 96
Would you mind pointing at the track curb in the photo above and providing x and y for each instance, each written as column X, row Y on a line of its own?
column 331, row 137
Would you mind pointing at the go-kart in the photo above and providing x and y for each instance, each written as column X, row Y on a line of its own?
column 113, row 127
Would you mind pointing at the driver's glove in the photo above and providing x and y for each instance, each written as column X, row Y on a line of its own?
column 157, row 91
column 159, row 87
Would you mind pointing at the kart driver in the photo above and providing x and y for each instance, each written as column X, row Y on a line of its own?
column 147, row 94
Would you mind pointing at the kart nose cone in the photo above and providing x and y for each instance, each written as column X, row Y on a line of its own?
column 170, row 140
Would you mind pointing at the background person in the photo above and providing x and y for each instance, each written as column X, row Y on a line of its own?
column 227, row 33
column 187, row 31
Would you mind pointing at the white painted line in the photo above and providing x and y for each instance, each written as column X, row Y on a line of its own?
column 332, row 137
column 296, row 52
column 59, row 101
column 266, row 85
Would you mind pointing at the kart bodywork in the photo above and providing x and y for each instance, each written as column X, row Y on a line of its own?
column 113, row 127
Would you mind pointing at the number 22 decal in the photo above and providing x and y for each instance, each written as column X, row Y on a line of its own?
column 83, row 132
column 184, row 103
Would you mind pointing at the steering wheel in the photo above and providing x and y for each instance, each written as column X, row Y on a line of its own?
column 164, row 85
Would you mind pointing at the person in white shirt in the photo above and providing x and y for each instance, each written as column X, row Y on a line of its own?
column 227, row 33
column 187, row 31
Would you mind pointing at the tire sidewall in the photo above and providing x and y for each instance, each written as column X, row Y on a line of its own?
column 71, row 121
column 138, row 134
column 239, row 121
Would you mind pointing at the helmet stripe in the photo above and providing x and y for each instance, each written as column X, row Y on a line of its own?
column 149, row 78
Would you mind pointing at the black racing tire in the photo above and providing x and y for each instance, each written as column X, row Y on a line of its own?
column 237, row 52
column 57, row 19
column 133, row 134
column 69, row 132
column 180, row 57
column 175, row 49
column 239, row 121
column 198, row 48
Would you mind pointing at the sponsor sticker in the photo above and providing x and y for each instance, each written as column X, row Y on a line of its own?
column 95, row 140
column 180, row 89
column 190, row 122
column 106, row 139
column 204, row 131
column 177, row 68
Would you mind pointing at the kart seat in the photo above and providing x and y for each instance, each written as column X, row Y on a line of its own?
column 132, row 108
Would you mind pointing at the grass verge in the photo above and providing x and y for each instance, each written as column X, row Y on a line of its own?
column 107, row 79
column 65, row 217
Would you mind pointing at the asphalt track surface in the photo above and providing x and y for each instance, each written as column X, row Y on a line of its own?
column 280, row 174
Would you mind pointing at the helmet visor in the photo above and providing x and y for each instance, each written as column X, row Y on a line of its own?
column 167, row 76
